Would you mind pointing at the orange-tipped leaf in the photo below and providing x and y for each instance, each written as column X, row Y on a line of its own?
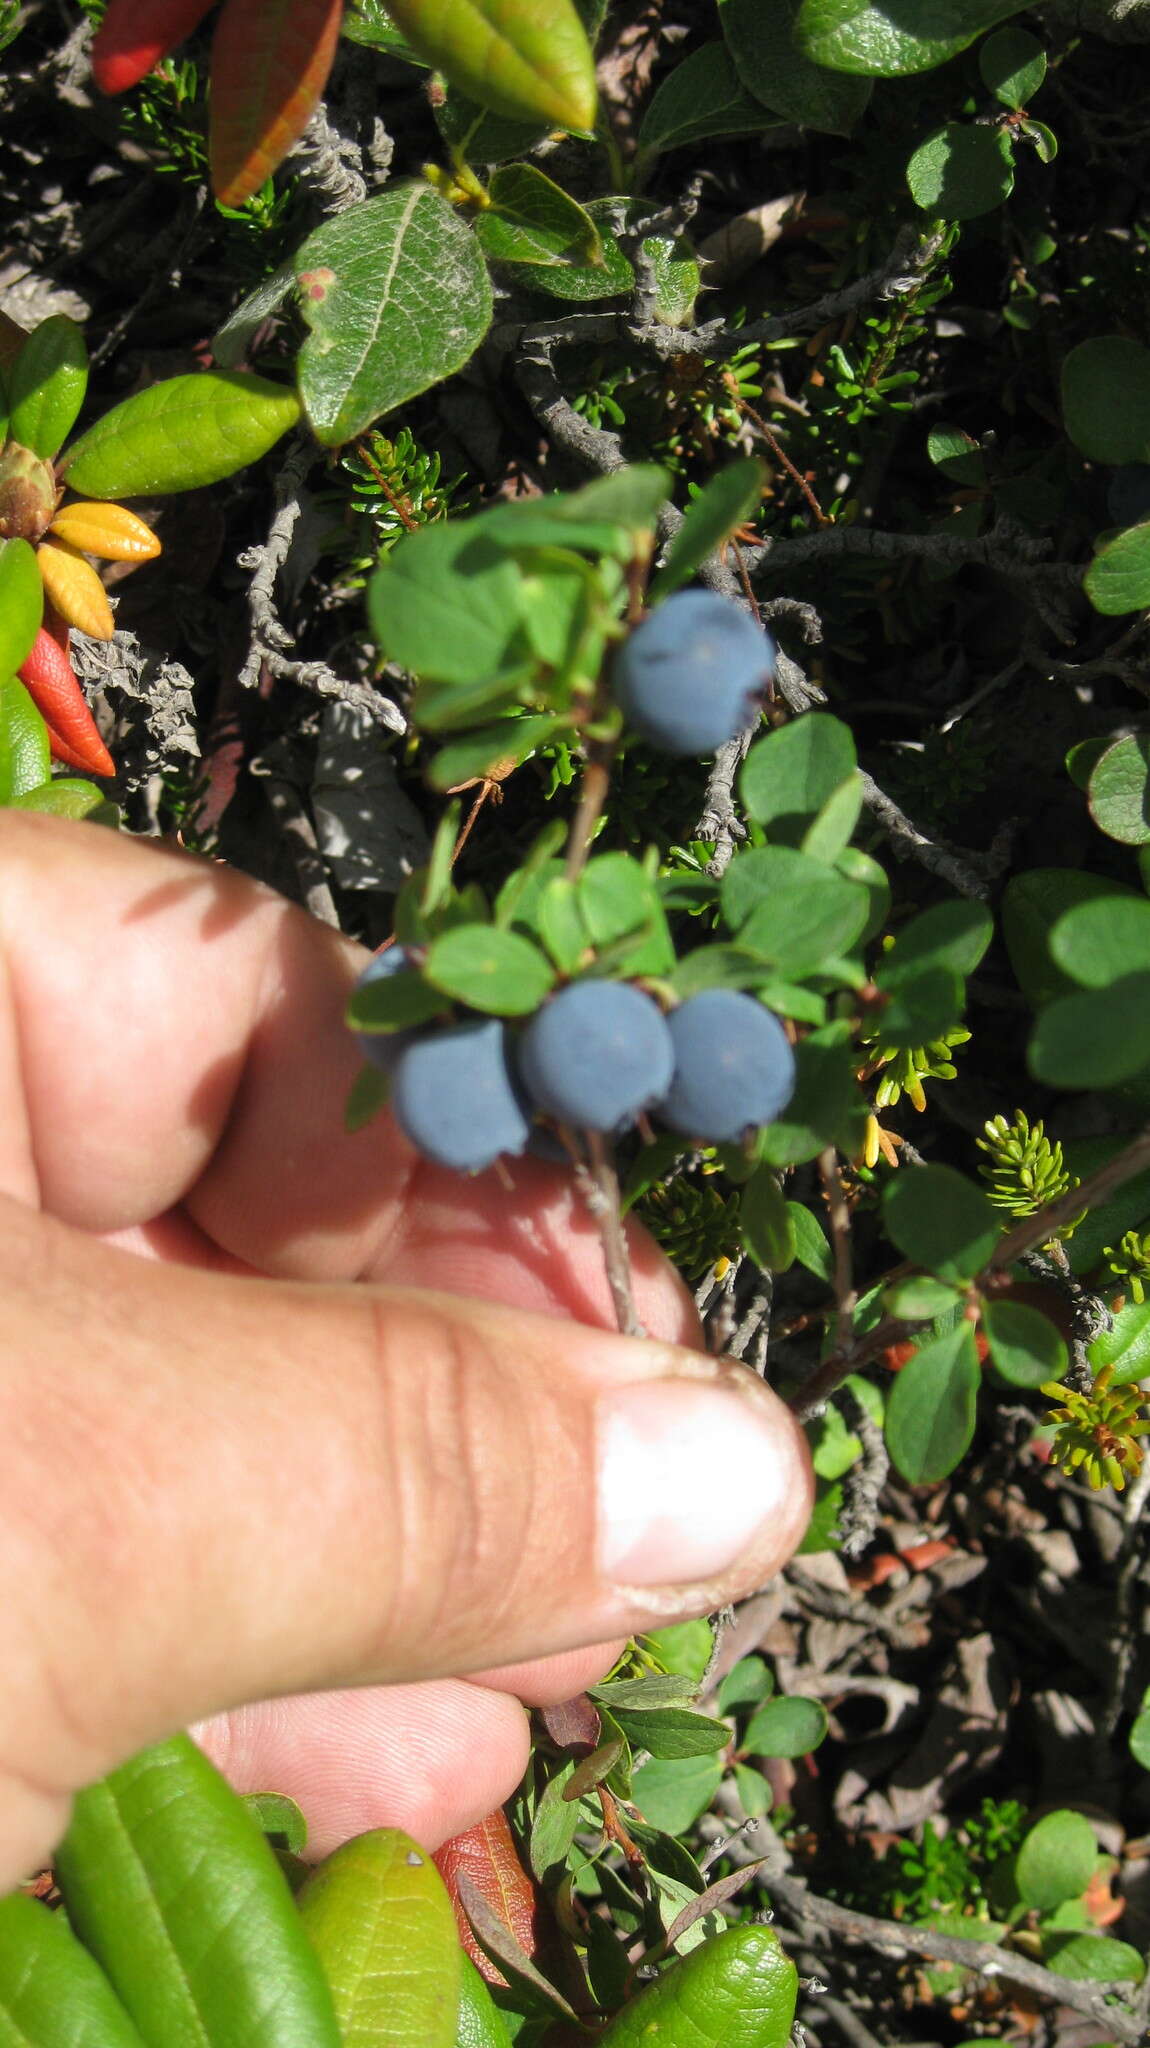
column 52, row 684
column 270, row 63
column 104, row 529
column 73, row 586
column 136, row 34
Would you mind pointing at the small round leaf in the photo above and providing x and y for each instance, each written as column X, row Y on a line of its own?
column 1025, row 1346
column 1056, row 1861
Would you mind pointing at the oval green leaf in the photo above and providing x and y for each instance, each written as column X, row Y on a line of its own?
column 760, row 37
column 1013, row 66
column 446, row 604
column 1024, row 1345
column 1056, row 1860
column 46, row 385
column 785, row 1727
column 380, row 1920
column 736, row 1991
column 170, row 1884
column 494, row 971
column 1125, row 1347
column 792, row 910
column 954, row 934
column 1118, row 579
column 765, row 1224
column 671, row 1794
column 528, row 63
column 25, row 757
column 1094, row 1958
column 702, row 96
column 942, row 1221
column 180, row 435
column 1119, row 791
column 480, row 2023
column 961, row 171
column 532, row 220
column 52, row 1993
column 931, row 1409
column 889, row 38
column 68, row 796
column 1106, row 399
column 1097, row 943
column 21, row 603
column 1096, row 1039
column 789, row 775
column 397, row 297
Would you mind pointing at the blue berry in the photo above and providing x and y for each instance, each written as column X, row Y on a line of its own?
column 454, row 1094
column 694, row 673
column 382, row 1048
column 1128, row 498
column 596, row 1055
column 734, row 1067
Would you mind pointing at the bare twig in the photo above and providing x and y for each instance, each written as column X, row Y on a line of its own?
column 863, row 1484
column 600, row 1190
column 839, row 1218
column 893, row 1937
column 910, row 843
column 1036, row 1229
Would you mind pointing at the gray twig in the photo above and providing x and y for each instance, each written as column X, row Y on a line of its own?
column 269, row 637
column 909, row 843
column 863, row 1484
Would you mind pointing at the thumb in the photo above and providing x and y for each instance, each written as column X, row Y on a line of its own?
column 221, row 1489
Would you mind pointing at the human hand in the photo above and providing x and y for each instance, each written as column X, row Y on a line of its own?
column 231, row 1475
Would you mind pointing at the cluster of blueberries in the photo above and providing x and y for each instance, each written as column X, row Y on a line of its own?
column 598, row 1055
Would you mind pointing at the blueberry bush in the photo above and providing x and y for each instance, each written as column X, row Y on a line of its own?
column 641, row 515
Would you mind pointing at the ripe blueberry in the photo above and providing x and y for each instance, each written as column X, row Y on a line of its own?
column 455, row 1095
column 1128, row 498
column 596, row 1055
column 734, row 1067
column 382, row 1048
column 693, row 674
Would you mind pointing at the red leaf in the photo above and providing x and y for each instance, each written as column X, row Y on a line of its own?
column 488, row 1854
column 135, row 34
column 52, row 684
column 270, row 62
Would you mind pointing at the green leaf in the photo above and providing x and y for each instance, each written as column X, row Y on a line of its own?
column 21, row 603
column 961, row 171
column 728, row 498
column 1106, row 399
column 230, row 343
column 826, row 1108
column 811, row 1247
column 480, row 2023
column 1099, row 942
column 1140, row 1734
column 169, row 1883
column 180, row 435
column 366, row 22
column 683, row 1646
column 930, row 1411
column 1120, row 790
column 702, row 96
column 1013, row 65
column 1126, row 1346
column 280, row 1819
column 25, row 758
column 1042, row 139
column 765, row 1222
column 889, row 38
column 919, row 1298
column 445, row 604
column 394, row 1003
column 747, row 1684
column 672, row 1731
column 380, row 1920
column 788, row 775
column 525, row 63
column 46, row 385
column 553, row 1825
column 955, row 934
column 478, row 136
column 1056, row 1860
column 1024, row 1345
column 942, row 1221
column 397, row 297
column 532, row 220
column 1032, row 904
column 827, row 835
column 52, row 1993
column 1118, row 579
column 794, row 912
column 672, row 1793
column 760, row 37
column 500, row 746
column 736, row 1991
column 491, row 970
column 957, row 455
column 559, row 922
column 1094, row 1958
column 785, row 1727
column 617, row 896
column 67, row 796
column 1095, row 1039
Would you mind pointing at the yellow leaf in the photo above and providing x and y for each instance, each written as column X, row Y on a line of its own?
column 75, row 589
column 108, row 530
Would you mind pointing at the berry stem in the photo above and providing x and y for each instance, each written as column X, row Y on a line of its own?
column 599, row 1186
column 592, row 797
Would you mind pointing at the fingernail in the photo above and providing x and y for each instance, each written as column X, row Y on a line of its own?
column 688, row 1475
